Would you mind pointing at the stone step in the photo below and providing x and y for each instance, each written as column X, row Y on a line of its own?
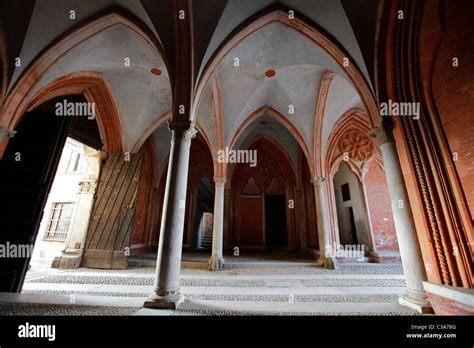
column 276, row 289
column 275, row 267
column 290, row 298
column 36, row 304
column 200, row 274
column 203, row 307
column 229, row 282
column 353, row 259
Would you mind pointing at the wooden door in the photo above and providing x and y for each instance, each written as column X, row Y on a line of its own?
column 113, row 214
column 252, row 220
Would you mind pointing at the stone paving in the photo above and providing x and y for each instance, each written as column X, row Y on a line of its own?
column 248, row 287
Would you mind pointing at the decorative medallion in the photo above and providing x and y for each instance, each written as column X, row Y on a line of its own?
column 357, row 145
column 266, row 163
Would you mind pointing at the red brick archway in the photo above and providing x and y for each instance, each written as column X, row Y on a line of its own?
column 200, row 164
column 145, row 221
column 283, row 121
column 95, row 89
column 19, row 100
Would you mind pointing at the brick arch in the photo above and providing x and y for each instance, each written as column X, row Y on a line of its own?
column 95, row 89
column 200, row 164
column 200, row 161
column 205, row 137
column 302, row 26
column 160, row 120
column 150, row 129
column 283, row 121
column 145, row 222
column 354, row 118
column 18, row 101
column 319, row 112
column 380, row 207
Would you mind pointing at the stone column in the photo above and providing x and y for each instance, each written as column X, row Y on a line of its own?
column 324, row 234
column 166, row 289
column 216, row 262
column 372, row 246
column 410, row 253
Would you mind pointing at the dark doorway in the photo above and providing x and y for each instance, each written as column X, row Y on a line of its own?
column 353, row 226
column 275, row 223
column 201, row 235
column 26, row 173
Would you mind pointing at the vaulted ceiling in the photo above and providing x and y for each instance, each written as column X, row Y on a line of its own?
column 145, row 34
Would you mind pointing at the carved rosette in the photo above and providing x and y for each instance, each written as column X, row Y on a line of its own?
column 267, row 164
column 357, row 145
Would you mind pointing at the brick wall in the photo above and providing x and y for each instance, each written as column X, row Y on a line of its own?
column 453, row 89
column 380, row 209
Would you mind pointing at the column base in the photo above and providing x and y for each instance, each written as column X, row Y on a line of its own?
column 327, row 262
column 421, row 305
column 67, row 260
column 216, row 263
column 171, row 301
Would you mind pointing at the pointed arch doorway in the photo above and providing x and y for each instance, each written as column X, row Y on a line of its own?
column 276, row 234
column 263, row 219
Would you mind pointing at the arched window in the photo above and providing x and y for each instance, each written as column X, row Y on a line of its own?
column 251, row 188
column 275, row 188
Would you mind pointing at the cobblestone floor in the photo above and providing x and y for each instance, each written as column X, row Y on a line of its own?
column 250, row 287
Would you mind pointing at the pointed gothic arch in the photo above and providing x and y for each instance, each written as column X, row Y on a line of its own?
column 303, row 26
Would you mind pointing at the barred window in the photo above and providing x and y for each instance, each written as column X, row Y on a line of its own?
column 59, row 221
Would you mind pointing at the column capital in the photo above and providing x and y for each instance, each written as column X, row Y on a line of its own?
column 5, row 132
column 182, row 129
column 318, row 180
column 219, row 180
column 380, row 135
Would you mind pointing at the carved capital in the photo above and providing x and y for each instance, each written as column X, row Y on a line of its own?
column 182, row 129
column 380, row 135
column 219, row 180
column 5, row 132
column 318, row 181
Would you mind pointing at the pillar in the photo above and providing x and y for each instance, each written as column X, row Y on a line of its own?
column 166, row 292
column 216, row 262
column 324, row 234
column 372, row 246
column 410, row 253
